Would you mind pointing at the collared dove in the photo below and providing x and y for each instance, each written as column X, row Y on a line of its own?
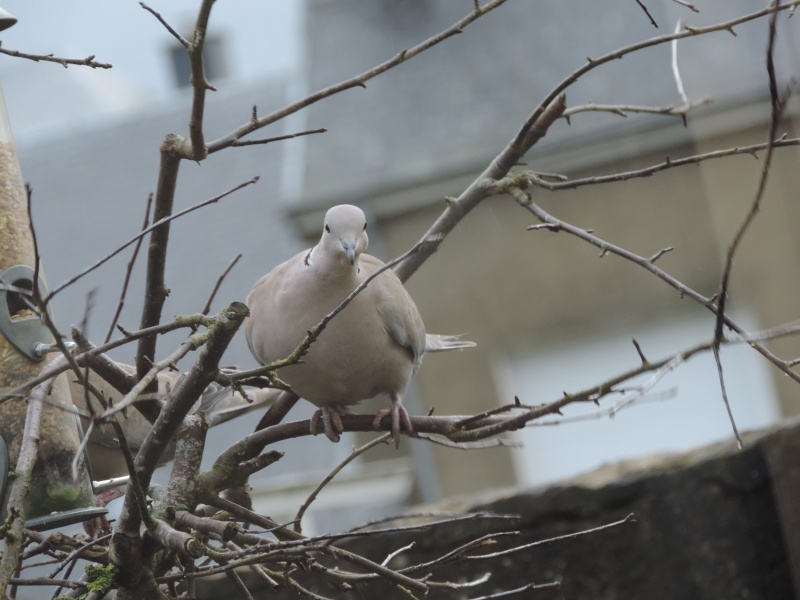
column 218, row 403
column 374, row 346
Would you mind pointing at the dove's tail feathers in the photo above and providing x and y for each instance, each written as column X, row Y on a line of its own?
column 440, row 343
column 221, row 404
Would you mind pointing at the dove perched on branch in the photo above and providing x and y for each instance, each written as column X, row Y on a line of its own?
column 218, row 403
column 372, row 347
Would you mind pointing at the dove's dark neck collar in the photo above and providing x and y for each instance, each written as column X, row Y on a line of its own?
column 316, row 258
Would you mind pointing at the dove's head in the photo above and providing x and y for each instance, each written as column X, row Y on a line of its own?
column 345, row 232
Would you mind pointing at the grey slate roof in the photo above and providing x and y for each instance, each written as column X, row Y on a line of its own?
column 450, row 109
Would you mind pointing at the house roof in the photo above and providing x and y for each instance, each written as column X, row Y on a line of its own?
column 455, row 106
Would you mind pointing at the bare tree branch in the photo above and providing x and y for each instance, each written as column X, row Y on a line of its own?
column 535, row 127
column 129, row 270
column 357, row 81
column 557, row 225
column 155, row 288
column 180, row 322
column 220, row 279
column 159, row 223
column 182, row 398
column 593, row 63
column 199, row 82
column 279, row 138
column 278, row 561
column 20, row 486
column 183, row 41
column 647, row 12
column 778, row 102
column 628, row 519
column 691, row 7
column 328, row 478
column 531, row 586
column 477, row 191
column 569, row 184
column 623, row 109
column 89, row 61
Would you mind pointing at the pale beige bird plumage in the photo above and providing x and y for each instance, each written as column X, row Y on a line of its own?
column 373, row 347
column 218, row 404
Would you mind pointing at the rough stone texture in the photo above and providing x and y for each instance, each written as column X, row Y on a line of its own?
column 708, row 526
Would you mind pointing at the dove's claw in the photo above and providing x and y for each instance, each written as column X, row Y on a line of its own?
column 400, row 419
column 331, row 422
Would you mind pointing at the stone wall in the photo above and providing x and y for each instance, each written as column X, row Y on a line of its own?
column 715, row 523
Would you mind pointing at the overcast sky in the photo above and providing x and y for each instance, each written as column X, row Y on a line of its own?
column 259, row 39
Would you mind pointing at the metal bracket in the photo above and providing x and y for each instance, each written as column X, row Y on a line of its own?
column 23, row 331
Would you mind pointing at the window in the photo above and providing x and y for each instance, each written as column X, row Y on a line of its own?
column 682, row 411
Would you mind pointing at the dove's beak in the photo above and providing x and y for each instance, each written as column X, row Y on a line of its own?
column 349, row 250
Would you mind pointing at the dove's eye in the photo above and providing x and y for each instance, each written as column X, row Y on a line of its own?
column 328, row 229
column 365, row 226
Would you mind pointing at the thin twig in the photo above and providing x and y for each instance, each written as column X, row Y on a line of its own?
column 637, row 395
column 64, row 62
column 442, row 518
column 593, row 63
column 482, row 445
column 682, row 288
column 778, row 101
column 359, row 80
column 647, row 12
column 669, row 163
column 660, row 253
column 247, row 515
column 83, row 548
column 777, row 111
column 356, row 452
column 35, row 291
column 279, row 138
column 220, row 279
column 134, row 489
column 141, row 386
column 639, row 351
column 531, row 586
column 630, row 518
column 129, row 270
column 394, row 553
column 183, row 41
column 725, row 400
column 623, row 109
column 397, row 578
column 144, row 232
column 181, row 322
column 691, row 7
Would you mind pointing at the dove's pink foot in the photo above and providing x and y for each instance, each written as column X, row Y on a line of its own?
column 331, row 422
column 399, row 417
